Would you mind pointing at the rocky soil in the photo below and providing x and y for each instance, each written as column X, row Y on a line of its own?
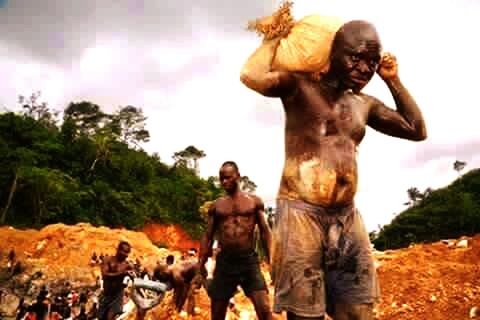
column 426, row 281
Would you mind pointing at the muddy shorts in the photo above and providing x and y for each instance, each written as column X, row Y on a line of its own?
column 236, row 269
column 113, row 303
column 320, row 258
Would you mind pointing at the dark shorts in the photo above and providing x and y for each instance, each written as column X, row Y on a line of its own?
column 236, row 269
column 114, row 304
column 320, row 258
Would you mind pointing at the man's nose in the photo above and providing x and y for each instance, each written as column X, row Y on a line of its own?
column 363, row 67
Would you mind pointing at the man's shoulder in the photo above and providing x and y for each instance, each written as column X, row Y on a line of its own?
column 367, row 99
column 254, row 198
column 214, row 205
column 160, row 267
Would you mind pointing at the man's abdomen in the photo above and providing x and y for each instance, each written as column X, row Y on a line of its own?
column 327, row 177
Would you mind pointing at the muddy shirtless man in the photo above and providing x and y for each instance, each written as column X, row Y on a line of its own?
column 233, row 218
column 114, row 270
column 321, row 255
column 178, row 276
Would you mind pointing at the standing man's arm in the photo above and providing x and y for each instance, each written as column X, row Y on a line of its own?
column 265, row 233
column 407, row 121
column 207, row 240
column 257, row 73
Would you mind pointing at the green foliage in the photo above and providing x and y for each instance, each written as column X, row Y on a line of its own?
column 445, row 213
column 247, row 185
column 92, row 169
column 188, row 158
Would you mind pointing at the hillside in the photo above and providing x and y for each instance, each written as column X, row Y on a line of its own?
column 445, row 213
column 428, row 281
column 90, row 167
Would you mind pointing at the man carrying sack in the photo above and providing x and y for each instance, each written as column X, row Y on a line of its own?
column 321, row 257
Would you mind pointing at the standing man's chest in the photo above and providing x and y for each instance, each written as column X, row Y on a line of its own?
column 311, row 108
column 242, row 206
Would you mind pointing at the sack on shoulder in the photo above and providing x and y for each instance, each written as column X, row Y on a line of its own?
column 305, row 44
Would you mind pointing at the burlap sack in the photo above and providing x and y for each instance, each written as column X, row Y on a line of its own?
column 305, row 44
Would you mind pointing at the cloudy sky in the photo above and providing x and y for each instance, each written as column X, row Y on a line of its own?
column 180, row 60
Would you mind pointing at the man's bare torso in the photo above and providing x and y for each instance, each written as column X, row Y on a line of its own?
column 322, row 133
column 112, row 285
column 236, row 219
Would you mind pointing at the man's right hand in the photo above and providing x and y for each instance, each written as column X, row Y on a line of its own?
column 125, row 268
column 388, row 68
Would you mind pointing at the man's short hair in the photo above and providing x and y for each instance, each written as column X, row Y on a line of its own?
column 124, row 243
column 231, row 164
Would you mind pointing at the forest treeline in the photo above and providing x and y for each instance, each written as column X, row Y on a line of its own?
column 433, row 215
column 87, row 165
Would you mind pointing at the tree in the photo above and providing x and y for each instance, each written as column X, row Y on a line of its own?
column 445, row 213
column 13, row 156
column 426, row 193
column 38, row 110
column 45, row 175
column 130, row 123
column 189, row 158
column 459, row 166
column 13, row 188
column 195, row 154
column 17, row 159
column 102, row 140
column 413, row 196
column 214, row 180
column 247, row 185
column 86, row 116
column 47, row 188
column 203, row 210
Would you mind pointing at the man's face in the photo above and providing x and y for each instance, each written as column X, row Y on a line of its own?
column 356, row 61
column 229, row 178
column 123, row 251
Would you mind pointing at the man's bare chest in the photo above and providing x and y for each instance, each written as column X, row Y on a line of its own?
column 239, row 208
column 113, row 266
column 310, row 111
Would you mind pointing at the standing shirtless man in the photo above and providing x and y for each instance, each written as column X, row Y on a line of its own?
column 234, row 217
column 114, row 270
column 319, row 239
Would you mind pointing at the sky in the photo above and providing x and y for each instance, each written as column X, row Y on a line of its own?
column 180, row 61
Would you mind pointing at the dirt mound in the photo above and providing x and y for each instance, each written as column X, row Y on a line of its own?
column 63, row 252
column 424, row 282
column 429, row 281
column 170, row 236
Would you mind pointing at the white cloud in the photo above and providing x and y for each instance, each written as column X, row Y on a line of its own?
column 169, row 59
column 96, row 61
column 23, row 77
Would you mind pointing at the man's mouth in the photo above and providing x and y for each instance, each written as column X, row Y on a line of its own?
column 358, row 80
